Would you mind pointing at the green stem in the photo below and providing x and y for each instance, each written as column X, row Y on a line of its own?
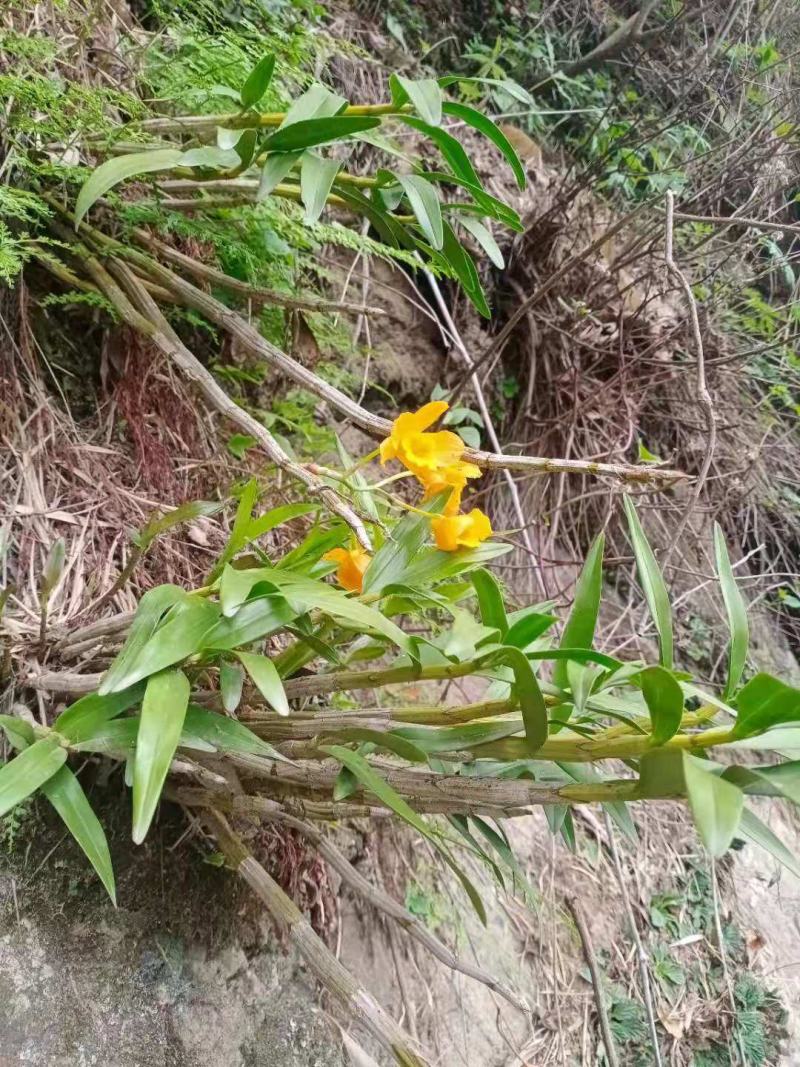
column 591, row 748
column 237, row 121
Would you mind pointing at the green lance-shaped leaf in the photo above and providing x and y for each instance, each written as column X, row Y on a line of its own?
column 392, row 741
column 266, row 679
column 751, row 826
column 318, row 102
column 764, row 702
column 390, row 563
column 434, row 739
column 64, row 792
column 716, row 805
column 431, row 565
column 425, row 94
column 306, row 594
column 164, row 707
column 160, row 524
column 316, row 178
column 246, row 146
column 424, row 201
column 20, row 733
column 241, row 522
column 737, row 614
column 451, row 149
column 226, row 735
column 257, row 81
column 514, row 89
column 661, row 774
column 116, row 170
column 664, row 698
column 485, row 239
column 526, row 625
column 390, row 231
column 372, row 781
column 210, row 156
column 781, row 780
column 24, row 774
column 527, row 691
column 276, row 517
column 113, row 737
column 618, row 811
column 254, row 620
column 152, row 607
column 582, row 621
column 460, row 262
column 276, row 166
column 490, row 600
column 652, row 582
column 231, row 681
column 310, row 132
column 488, row 128
column 485, row 204
column 181, row 636
column 81, row 720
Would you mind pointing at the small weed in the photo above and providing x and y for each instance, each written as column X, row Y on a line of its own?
column 17, row 825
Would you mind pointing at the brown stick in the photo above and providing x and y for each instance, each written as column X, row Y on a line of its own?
column 703, row 395
column 155, row 327
column 252, row 340
column 597, row 980
column 735, row 220
column 251, row 292
column 329, row 972
column 426, row 790
column 381, row 901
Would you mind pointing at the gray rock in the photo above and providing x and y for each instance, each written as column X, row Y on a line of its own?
column 183, row 973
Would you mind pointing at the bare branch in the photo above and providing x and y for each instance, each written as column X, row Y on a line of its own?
column 269, row 809
column 359, row 1004
column 703, row 395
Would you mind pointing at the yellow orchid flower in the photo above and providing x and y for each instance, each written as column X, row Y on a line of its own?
column 352, row 562
column 433, row 458
column 452, row 532
column 453, row 477
column 410, row 422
